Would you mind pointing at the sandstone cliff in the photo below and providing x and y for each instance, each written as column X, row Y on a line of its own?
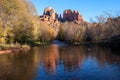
column 73, row 16
column 50, row 16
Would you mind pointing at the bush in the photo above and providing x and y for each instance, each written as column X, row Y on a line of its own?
column 72, row 32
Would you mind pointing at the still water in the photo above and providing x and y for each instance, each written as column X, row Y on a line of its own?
column 61, row 62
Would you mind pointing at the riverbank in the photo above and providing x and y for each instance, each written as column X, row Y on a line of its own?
column 8, row 48
column 5, row 48
column 114, row 45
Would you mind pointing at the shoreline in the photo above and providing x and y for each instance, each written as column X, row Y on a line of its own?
column 13, row 50
column 26, row 47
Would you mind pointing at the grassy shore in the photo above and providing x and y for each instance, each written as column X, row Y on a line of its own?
column 7, row 48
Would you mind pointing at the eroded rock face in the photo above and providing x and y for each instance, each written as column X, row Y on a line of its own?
column 50, row 16
column 72, row 15
column 49, row 12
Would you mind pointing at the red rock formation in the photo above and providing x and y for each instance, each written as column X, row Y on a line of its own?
column 50, row 16
column 75, row 16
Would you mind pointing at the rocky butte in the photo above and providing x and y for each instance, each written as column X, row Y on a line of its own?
column 73, row 16
column 51, row 17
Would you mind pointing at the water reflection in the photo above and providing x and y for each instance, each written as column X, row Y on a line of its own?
column 55, row 62
column 50, row 58
column 72, row 57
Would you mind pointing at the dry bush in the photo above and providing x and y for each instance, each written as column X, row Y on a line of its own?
column 103, row 31
column 115, row 22
column 72, row 32
column 48, row 32
column 100, row 30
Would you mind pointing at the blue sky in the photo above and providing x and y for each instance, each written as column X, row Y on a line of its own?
column 88, row 8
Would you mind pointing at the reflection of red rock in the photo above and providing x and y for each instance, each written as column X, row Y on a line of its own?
column 52, row 59
column 75, row 16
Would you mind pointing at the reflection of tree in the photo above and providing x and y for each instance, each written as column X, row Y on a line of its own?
column 17, row 66
column 72, row 57
column 102, row 55
column 24, row 65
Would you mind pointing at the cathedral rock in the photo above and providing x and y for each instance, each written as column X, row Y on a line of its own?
column 73, row 15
